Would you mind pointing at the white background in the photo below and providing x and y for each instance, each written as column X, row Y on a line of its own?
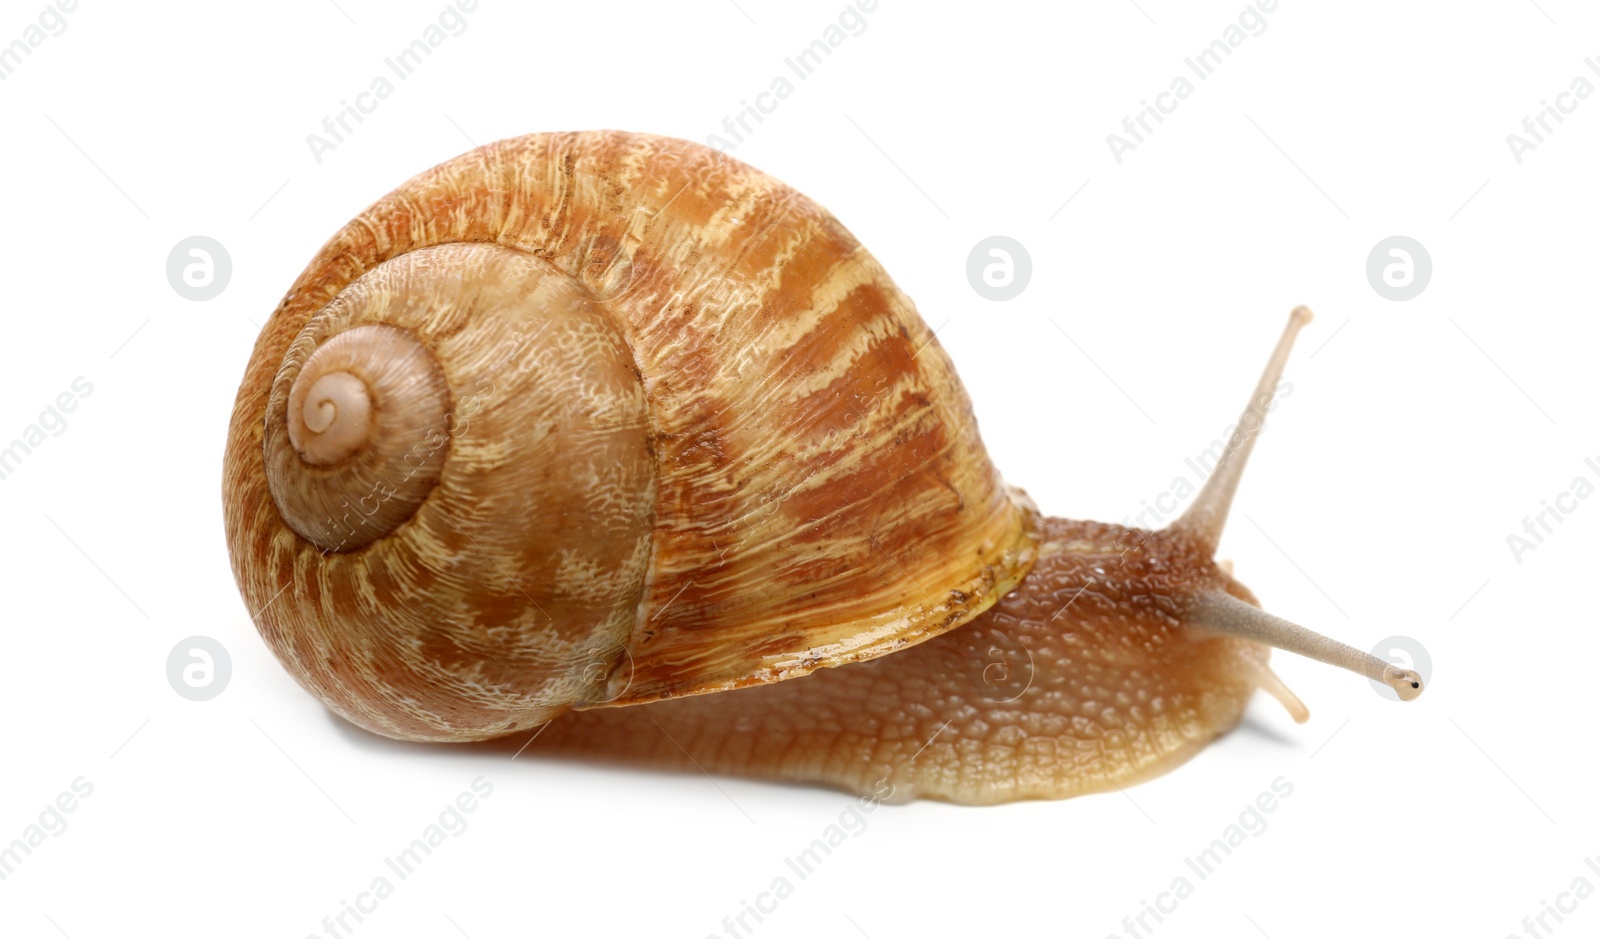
column 1418, row 436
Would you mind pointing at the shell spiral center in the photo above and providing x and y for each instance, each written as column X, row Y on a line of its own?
column 366, row 419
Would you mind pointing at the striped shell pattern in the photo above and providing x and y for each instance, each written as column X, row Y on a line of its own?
column 594, row 419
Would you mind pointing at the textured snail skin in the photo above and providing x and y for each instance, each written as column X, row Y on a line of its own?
column 1081, row 680
column 694, row 439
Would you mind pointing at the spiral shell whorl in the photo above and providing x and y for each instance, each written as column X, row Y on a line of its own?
column 470, row 554
column 366, row 417
column 329, row 417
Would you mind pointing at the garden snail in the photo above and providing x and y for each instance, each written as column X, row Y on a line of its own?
column 578, row 421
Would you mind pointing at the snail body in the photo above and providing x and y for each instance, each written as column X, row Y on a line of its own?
column 579, row 421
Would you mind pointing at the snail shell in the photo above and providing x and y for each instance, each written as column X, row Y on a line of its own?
column 589, row 419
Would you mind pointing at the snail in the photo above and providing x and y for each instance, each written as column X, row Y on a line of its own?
column 574, row 430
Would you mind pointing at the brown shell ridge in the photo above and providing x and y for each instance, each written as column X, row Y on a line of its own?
column 454, row 624
column 822, row 493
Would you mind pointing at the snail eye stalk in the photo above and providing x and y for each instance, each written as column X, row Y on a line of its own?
column 1207, row 515
column 1219, row 612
